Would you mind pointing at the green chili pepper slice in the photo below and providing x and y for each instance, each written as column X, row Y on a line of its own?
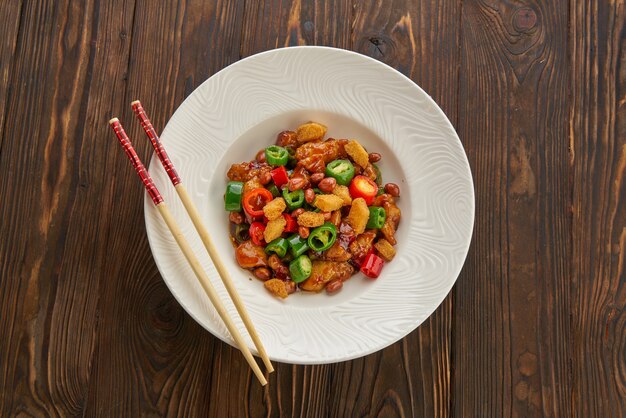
column 276, row 156
column 297, row 245
column 273, row 189
column 241, row 233
column 278, row 246
column 232, row 198
column 292, row 157
column 377, row 217
column 381, row 190
column 300, row 268
column 322, row 237
column 341, row 170
column 294, row 199
column 379, row 175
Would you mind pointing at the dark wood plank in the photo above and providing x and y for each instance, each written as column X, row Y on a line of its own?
column 273, row 24
column 9, row 12
column 412, row 377
column 10, row 15
column 536, row 324
column 295, row 391
column 152, row 358
column 512, row 323
column 598, row 156
column 48, row 312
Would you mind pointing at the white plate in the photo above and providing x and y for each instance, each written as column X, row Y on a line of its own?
column 239, row 111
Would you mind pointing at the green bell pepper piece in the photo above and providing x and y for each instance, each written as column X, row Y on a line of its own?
column 377, row 218
column 294, row 199
column 300, row 268
column 322, row 237
column 297, row 245
column 278, row 246
column 273, row 189
column 232, row 198
column 341, row 170
column 242, row 232
column 276, row 156
column 292, row 157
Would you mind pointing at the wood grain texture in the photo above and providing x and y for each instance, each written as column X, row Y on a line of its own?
column 512, row 323
column 536, row 325
column 42, row 373
column 413, row 376
column 597, row 133
column 11, row 14
column 175, row 377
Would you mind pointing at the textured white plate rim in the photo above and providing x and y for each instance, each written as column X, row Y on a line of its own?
column 148, row 206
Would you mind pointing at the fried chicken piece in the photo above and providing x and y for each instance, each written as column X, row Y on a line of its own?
column 344, row 193
column 359, row 215
column 391, row 223
column 328, row 202
column 356, row 151
column 315, row 155
column 323, row 272
column 311, row 131
column 251, row 184
column 274, row 229
column 311, row 219
column 249, row 255
column 247, row 171
column 275, row 208
column 385, row 249
column 362, row 245
column 336, row 253
column 277, row 288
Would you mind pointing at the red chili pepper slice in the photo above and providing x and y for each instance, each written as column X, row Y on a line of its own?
column 279, row 176
column 256, row 233
column 292, row 225
column 372, row 266
column 364, row 187
column 254, row 200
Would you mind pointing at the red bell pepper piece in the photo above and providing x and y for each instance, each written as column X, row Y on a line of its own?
column 364, row 187
column 372, row 265
column 292, row 225
column 254, row 200
column 279, row 176
column 256, row 233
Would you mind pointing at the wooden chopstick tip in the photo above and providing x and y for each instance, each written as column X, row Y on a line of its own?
column 135, row 102
column 113, row 120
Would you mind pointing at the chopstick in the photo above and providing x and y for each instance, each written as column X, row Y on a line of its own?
column 184, row 246
column 202, row 231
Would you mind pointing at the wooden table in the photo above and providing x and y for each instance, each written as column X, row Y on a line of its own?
column 536, row 324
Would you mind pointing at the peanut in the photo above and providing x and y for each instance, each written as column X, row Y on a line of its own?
column 309, row 195
column 297, row 212
column 392, row 189
column 235, row 217
column 262, row 273
column 334, row 286
column 327, row 185
column 265, row 178
column 374, row 157
column 303, row 231
column 317, row 177
column 296, row 183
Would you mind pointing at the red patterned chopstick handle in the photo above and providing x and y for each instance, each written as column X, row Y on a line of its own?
column 135, row 161
column 156, row 143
